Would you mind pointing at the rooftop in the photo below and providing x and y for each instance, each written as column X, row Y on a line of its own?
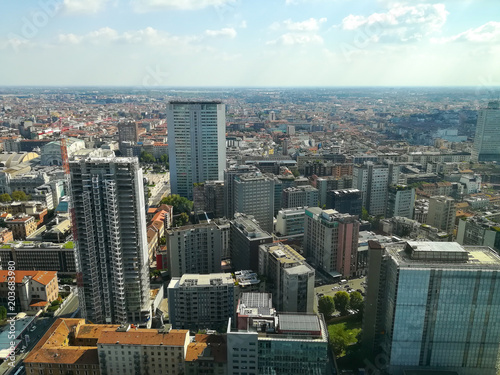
column 176, row 337
column 42, row 277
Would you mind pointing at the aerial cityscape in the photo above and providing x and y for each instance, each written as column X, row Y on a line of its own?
column 218, row 187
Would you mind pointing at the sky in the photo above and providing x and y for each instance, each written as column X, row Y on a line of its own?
column 153, row 43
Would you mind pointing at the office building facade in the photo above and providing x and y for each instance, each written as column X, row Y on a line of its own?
column 442, row 213
column 400, row 201
column 433, row 306
column 197, row 144
column 486, row 146
column 373, row 181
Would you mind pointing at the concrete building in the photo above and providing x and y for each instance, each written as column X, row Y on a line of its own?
column 373, row 181
column 349, row 201
column 331, row 241
column 292, row 279
column 433, row 306
column 229, row 176
column 51, row 152
column 207, row 354
column 486, row 145
column 128, row 132
column 111, row 244
column 254, row 195
column 209, row 197
column 69, row 346
column 21, row 226
column 290, row 223
column 301, row 196
column 131, row 351
column 197, row 140
column 326, row 184
column 201, row 301
column 194, row 249
column 400, row 201
column 284, row 344
column 479, row 231
column 442, row 213
column 34, row 290
column 40, row 256
column 245, row 237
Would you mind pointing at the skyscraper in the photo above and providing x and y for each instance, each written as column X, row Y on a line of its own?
column 433, row 305
column 400, row 201
column 229, row 176
column 111, row 247
column 197, row 144
column 486, row 145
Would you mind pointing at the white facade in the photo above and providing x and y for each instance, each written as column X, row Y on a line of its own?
column 442, row 213
column 197, row 144
column 400, row 202
column 373, row 181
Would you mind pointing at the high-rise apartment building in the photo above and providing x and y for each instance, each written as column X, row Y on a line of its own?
column 254, row 195
column 373, row 181
column 442, row 213
column 201, row 301
column 292, row 279
column 229, row 176
column 400, row 201
column 331, row 241
column 128, row 132
column 194, row 249
column 433, row 306
column 486, row 145
column 197, row 144
column 111, row 247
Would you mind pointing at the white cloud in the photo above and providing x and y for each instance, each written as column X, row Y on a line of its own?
column 148, row 5
column 227, row 32
column 487, row 33
column 401, row 23
column 290, row 39
column 84, row 6
column 312, row 24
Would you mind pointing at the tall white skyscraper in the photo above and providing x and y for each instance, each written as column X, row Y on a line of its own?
column 486, row 145
column 110, row 232
column 197, row 144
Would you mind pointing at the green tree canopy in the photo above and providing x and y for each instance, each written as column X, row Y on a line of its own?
column 180, row 204
column 3, row 313
column 146, row 157
column 339, row 339
column 326, row 306
column 164, row 159
column 5, row 198
column 364, row 214
column 19, row 196
column 356, row 301
column 181, row 220
column 341, row 300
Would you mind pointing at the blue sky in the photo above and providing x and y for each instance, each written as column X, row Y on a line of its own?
column 250, row 43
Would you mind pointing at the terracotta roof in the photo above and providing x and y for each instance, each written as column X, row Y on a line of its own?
column 175, row 337
column 208, row 345
column 38, row 303
column 42, row 277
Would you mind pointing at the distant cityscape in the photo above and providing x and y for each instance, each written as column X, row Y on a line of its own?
column 249, row 231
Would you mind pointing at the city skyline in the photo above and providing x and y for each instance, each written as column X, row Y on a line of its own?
column 284, row 43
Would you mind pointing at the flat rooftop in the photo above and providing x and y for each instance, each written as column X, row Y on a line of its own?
column 188, row 280
column 443, row 255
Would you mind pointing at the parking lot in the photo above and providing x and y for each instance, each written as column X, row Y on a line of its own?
column 331, row 289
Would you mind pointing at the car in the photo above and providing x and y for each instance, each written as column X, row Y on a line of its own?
column 320, row 295
column 347, row 287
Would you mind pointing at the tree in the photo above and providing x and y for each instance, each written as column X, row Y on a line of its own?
column 181, row 220
column 19, row 196
column 295, row 173
column 146, row 157
column 356, row 301
column 339, row 339
column 3, row 313
column 5, row 198
column 364, row 214
column 341, row 300
column 180, row 204
column 164, row 159
column 163, row 241
column 326, row 306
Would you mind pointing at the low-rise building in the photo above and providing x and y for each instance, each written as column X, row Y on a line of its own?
column 22, row 226
column 201, row 301
column 34, row 290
